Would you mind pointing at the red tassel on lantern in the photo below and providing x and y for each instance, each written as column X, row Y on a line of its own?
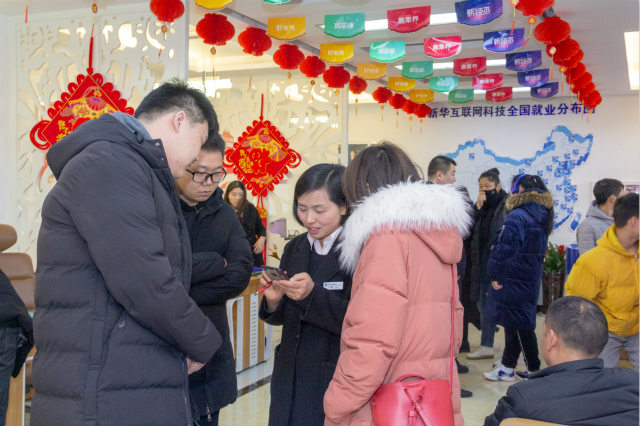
column 533, row 7
column 215, row 29
column 336, row 77
column 312, row 67
column 552, row 30
column 381, row 95
column 254, row 41
column 421, row 112
column 167, row 10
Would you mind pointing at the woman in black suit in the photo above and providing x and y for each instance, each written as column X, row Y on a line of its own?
column 310, row 305
column 236, row 195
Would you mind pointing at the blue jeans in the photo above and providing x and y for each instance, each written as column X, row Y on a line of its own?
column 488, row 326
column 8, row 343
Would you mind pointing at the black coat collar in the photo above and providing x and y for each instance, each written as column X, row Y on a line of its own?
column 583, row 364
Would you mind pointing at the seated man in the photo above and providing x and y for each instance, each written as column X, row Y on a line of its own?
column 575, row 389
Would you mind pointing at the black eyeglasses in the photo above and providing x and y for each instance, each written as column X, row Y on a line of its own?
column 202, row 177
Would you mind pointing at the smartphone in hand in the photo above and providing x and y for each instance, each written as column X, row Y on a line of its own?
column 275, row 274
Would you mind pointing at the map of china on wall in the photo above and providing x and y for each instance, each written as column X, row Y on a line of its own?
column 561, row 154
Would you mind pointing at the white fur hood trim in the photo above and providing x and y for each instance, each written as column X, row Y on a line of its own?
column 410, row 205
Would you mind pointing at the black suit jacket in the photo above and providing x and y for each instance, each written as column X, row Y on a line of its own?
column 573, row 393
column 307, row 355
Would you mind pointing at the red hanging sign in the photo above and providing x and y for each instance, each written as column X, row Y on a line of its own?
column 470, row 66
column 442, row 47
column 408, row 20
column 499, row 95
column 487, row 81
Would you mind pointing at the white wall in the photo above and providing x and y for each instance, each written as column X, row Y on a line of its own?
column 7, row 152
column 615, row 152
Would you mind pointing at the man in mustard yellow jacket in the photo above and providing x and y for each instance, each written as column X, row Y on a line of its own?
column 608, row 275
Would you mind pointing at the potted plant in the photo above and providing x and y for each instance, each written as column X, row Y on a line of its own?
column 553, row 275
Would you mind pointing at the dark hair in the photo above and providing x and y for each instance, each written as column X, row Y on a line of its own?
column 605, row 188
column 214, row 143
column 321, row 176
column 492, row 174
column 625, row 208
column 177, row 95
column 579, row 323
column 245, row 203
column 531, row 183
column 439, row 163
column 375, row 167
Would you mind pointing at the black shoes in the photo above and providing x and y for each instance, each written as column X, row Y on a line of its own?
column 462, row 369
column 465, row 393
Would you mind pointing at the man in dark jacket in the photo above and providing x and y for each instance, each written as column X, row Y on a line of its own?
column 575, row 389
column 221, row 270
column 16, row 338
column 116, row 330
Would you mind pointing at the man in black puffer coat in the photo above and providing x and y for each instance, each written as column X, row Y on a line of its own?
column 115, row 328
column 222, row 261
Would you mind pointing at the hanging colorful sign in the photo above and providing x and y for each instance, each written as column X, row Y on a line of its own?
column 421, row 96
column 499, row 95
column 387, row 51
column 470, row 66
column 545, row 91
column 213, row 4
column 487, row 81
column 401, row 84
column 288, row 28
column 461, row 96
column 442, row 47
column 345, row 25
column 276, row 1
column 524, row 61
column 443, row 84
column 336, row 53
column 417, row 70
column 533, row 78
column 478, row 12
column 371, row 70
column 408, row 20
column 503, row 41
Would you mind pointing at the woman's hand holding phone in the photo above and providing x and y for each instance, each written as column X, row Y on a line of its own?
column 298, row 287
column 270, row 291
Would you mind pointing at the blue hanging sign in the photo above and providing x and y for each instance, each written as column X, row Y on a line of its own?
column 503, row 41
column 524, row 61
column 545, row 91
column 533, row 78
column 478, row 12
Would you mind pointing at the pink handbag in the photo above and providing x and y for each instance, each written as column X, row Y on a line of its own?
column 418, row 403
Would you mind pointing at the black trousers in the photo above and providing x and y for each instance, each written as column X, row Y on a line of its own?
column 210, row 421
column 520, row 340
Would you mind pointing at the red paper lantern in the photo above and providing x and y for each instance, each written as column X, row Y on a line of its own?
column 571, row 62
column 381, row 95
column 397, row 101
column 312, row 66
column 575, row 72
column 410, row 107
column 336, row 77
column 167, row 10
column 552, row 30
column 586, row 91
column 423, row 110
column 254, row 41
column 357, row 85
column 566, row 49
column 288, row 56
column 215, row 29
column 533, row 7
column 593, row 100
column 583, row 80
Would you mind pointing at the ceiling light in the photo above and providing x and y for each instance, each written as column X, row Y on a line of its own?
column 382, row 24
column 632, row 44
column 449, row 65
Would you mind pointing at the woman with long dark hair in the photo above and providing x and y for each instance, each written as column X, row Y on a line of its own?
column 236, row 195
column 515, row 270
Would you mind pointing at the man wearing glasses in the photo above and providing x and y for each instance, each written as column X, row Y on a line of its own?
column 222, row 260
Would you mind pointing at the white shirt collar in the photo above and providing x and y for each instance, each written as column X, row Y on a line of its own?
column 327, row 242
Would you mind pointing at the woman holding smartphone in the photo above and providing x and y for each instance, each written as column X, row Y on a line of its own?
column 311, row 304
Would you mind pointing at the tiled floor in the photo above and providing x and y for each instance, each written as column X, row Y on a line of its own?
column 253, row 408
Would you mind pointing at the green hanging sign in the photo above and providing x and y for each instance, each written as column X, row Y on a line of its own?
column 417, row 70
column 276, row 1
column 345, row 25
column 443, row 84
column 387, row 51
column 461, row 96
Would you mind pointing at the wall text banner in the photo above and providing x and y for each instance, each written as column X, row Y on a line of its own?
column 371, row 70
column 417, row 70
column 442, row 47
column 336, row 53
column 503, row 41
column 401, row 84
column 387, row 51
column 478, row 12
column 487, row 81
column 533, row 78
column 288, row 28
column 545, row 91
column 421, row 96
column 470, row 66
column 408, row 20
column 345, row 25
column 443, row 84
column 524, row 61
column 499, row 95
column 503, row 111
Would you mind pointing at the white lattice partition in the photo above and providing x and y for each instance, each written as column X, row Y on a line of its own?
column 311, row 117
column 51, row 50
